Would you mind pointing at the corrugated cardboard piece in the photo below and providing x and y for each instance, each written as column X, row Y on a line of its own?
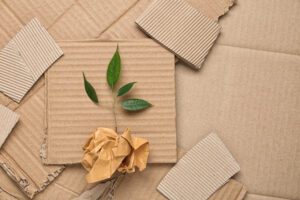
column 232, row 190
column 25, row 58
column 8, row 120
column 71, row 116
column 181, row 29
column 258, row 132
column 200, row 172
column 20, row 155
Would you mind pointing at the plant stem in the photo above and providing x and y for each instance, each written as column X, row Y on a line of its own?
column 114, row 112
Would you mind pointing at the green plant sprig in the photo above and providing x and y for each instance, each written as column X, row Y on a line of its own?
column 112, row 77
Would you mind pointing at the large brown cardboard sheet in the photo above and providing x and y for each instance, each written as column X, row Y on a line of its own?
column 71, row 116
column 266, row 148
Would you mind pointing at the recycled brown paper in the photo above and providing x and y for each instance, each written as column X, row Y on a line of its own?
column 252, row 70
column 25, row 58
column 71, row 116
column 181, row 29
column 8, row 120
column 106, row 152
column 200, row 172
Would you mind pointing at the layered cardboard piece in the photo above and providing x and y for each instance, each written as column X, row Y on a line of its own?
column 181, row 29
column 8, row 120
column 71, row 117
column 247, row 89
column 25, row 58
column 20, row 154
column 200, row 172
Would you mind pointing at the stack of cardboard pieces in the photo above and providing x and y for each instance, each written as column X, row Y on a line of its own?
column 234, row 81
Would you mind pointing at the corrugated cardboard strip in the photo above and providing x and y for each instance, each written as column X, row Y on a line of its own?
column 254, row 75
column 20, row 154
column 8, row 120
column 201, row 171
column 25, row 58
column 71, row 116
column 180, row 28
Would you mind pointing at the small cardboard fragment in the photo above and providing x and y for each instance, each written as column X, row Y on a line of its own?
column 8, row 120
column 19, row 156
column 200, row 172
column 181, row 29
column 71, row 117
column 232, row 190
column 25, row 58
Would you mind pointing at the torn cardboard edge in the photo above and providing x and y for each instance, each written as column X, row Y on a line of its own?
column 30, row 180
column 181, row 29
column 8, row 120
column 23, row 181
column 200, row 172
column 25, row 58
column 168, row 127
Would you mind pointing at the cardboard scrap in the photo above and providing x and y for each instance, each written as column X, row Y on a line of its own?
column 8, row 120
column 25, row 58
column 20, row 157
column 232, row 190
column 180, row 28
column 71, row 116
column 200, row 172
column 257, row 131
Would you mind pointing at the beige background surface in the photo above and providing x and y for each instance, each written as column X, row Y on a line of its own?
column 247, row 91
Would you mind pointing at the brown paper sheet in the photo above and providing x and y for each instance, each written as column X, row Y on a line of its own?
column 107, row 152
column 71, row 116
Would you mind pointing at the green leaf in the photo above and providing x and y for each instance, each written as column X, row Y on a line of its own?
column 90, row 91
column 135, row 104
column 114, row 69
column 125, row 88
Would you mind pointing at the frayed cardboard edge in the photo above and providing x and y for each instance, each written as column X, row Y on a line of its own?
column 24, row 184
column 227, row 8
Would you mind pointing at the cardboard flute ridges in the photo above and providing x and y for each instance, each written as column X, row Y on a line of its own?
column 25, row 58
column 72, row 117
column 8, row 120
column 200, row 172
column 20, row 154
column 180, row 28
column 232, row 190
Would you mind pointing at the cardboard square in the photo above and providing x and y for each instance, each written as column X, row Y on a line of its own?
column 25, row 58
column 71, row 116
column 200, row 172
column 180, row 28
column 8, row 120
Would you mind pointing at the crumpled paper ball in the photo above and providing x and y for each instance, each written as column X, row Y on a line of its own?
column 106, row 152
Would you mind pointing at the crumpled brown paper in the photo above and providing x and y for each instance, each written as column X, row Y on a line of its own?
column 106, row 151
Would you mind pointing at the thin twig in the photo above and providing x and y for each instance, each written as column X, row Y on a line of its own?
column 114, row 112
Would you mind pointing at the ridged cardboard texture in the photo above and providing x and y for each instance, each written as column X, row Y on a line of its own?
column 71, row 116
column 200, row 172
column 8, row 120
column 181, row 29
column 251, row 71
column 25, row 58
column 20, row 154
